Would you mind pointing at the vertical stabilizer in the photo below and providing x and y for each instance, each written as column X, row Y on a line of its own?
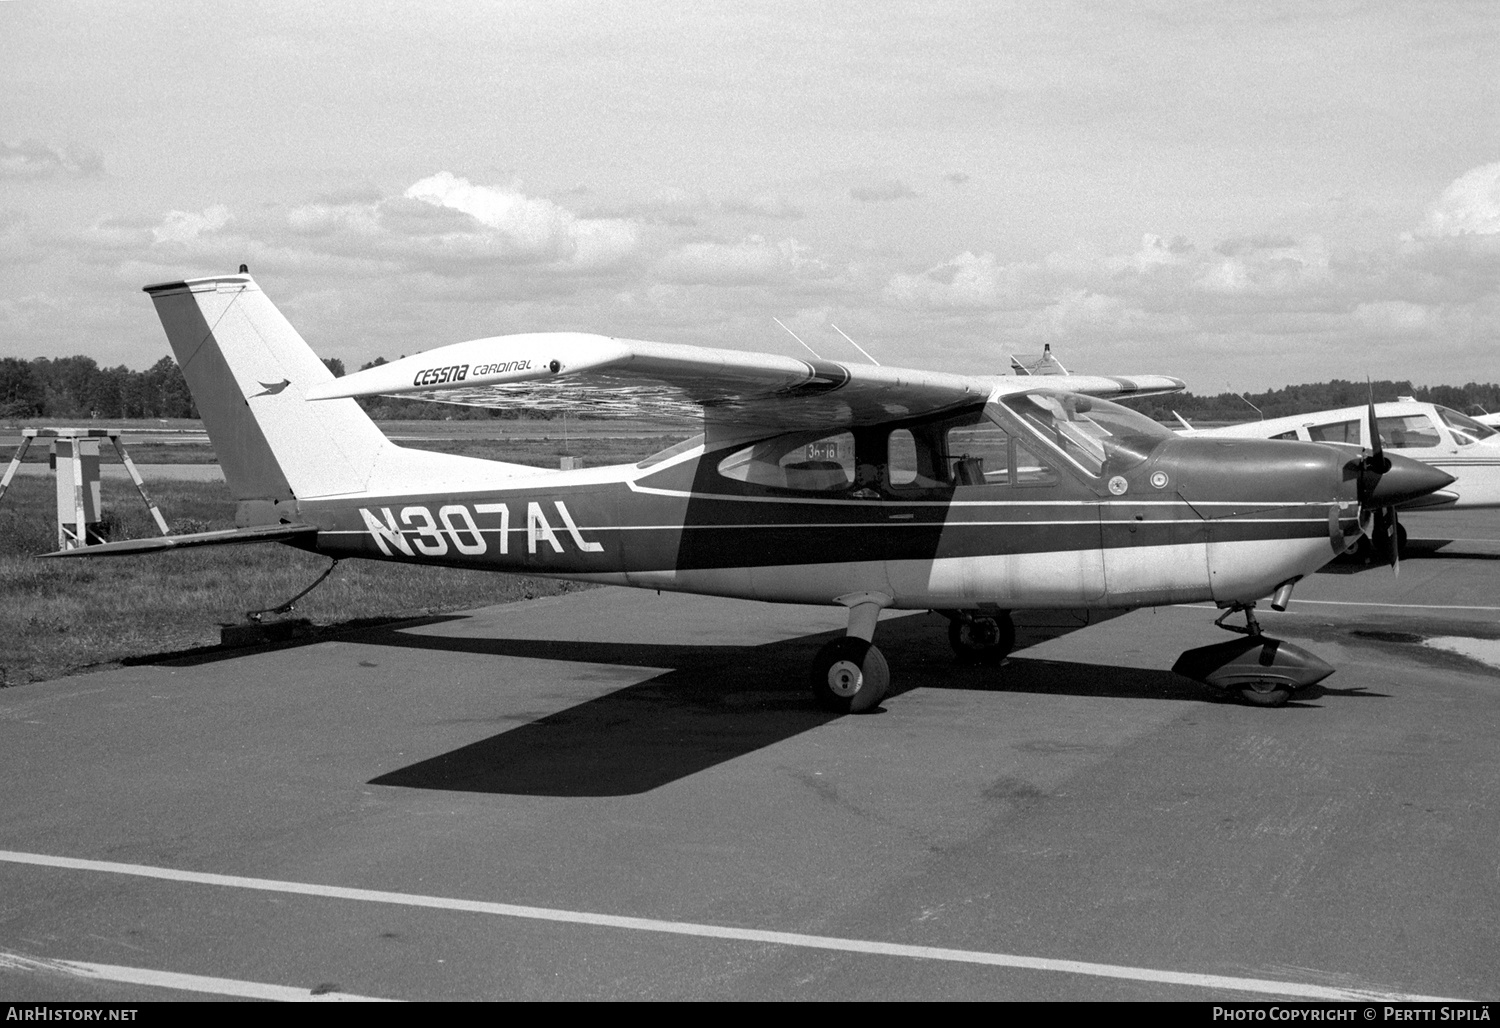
column 248, row 370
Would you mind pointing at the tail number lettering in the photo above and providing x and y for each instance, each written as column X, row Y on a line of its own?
column 418, row 532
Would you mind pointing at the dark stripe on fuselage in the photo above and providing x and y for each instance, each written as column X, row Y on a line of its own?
column 636, row 532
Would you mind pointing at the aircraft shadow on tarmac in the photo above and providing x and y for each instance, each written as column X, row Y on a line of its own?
column 716, row 703
column 1354, row 562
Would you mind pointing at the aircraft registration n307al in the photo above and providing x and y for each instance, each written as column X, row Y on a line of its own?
column 863, row 486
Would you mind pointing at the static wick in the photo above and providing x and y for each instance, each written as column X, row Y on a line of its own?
column 798, row 338
column 852, row 343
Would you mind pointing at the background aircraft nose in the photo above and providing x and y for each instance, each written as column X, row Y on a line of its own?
column 1406, row 480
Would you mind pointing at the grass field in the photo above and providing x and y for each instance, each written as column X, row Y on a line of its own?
column 59, row 617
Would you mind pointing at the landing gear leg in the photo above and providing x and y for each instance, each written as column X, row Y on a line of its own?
column 1262, row 670
column 981, row 638
column 849, row 675
column 1258, row 692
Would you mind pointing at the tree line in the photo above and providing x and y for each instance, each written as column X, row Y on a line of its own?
column 76, row 387
column 1315, row 396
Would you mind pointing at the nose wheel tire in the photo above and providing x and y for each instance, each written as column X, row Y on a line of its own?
column 849, row 676
column 983, row 639
column 1265, row 693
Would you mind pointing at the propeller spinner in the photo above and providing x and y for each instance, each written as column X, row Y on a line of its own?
column 1384, row 482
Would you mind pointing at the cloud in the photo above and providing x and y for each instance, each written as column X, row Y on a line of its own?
column 765, row 205
column 1395, row 317
column 882, row 191
column 529, row 228
column 1260, row 293
column 967, row 282
column 752, row 261
column 670, row 206
column 1265, row 265
column 1470, row 206
column 13, row 241
column 174, row 236
column 25, row 311
column 444, row 222
column 956, row 178
column 31, row 159
column 688, row 208
column 185, row 226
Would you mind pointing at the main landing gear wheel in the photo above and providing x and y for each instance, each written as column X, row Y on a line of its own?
column 849, row 676
column 982, row 639
column 1265, row 693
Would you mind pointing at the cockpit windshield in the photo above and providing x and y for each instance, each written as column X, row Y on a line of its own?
column 1089, row 430
column 1464, row 428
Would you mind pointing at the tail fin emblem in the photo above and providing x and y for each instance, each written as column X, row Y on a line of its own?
column 272, row 388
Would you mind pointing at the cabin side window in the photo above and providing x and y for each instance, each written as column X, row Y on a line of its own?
column 979, row 454
column 1336, row 432
column 819, row 464
column 1412, row 431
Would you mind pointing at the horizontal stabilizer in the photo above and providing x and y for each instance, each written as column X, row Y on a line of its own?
column 223, row 537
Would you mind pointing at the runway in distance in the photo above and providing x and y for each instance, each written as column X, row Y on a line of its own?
column 812, row 482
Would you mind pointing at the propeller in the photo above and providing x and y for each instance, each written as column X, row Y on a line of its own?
column 1384, row 532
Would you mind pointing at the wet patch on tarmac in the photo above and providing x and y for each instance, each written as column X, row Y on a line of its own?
column 1482, row 651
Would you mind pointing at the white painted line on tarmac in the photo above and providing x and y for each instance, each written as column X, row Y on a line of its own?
column 180, row 982
column 1399, row 606
column 1265, row 986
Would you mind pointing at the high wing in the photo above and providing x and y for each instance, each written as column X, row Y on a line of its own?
column 732, row 388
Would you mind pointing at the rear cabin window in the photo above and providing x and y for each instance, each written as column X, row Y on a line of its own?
column 1292, row 435
column 902, row 457
column 1413, row 431
column 1337, row 432
column 818, row 465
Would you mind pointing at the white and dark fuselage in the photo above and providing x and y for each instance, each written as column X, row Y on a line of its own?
column 1195, row 520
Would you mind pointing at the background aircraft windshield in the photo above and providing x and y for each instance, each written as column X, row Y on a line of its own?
column 1089, row 430
column 1465, row 429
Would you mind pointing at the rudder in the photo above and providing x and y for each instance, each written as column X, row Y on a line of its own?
column 249, row 370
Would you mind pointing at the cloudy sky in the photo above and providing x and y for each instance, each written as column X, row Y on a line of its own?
column 1246, row 195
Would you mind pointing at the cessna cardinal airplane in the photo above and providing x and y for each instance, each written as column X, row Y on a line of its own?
column 1454, row 443
column 816, row 482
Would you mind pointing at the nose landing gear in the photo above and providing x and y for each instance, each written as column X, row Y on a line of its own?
column 1262, row 670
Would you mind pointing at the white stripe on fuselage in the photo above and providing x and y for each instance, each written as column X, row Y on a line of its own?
column 1117, row 577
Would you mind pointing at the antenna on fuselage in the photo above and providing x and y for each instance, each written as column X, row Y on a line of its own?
column 797, row 337
column 852, row 343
